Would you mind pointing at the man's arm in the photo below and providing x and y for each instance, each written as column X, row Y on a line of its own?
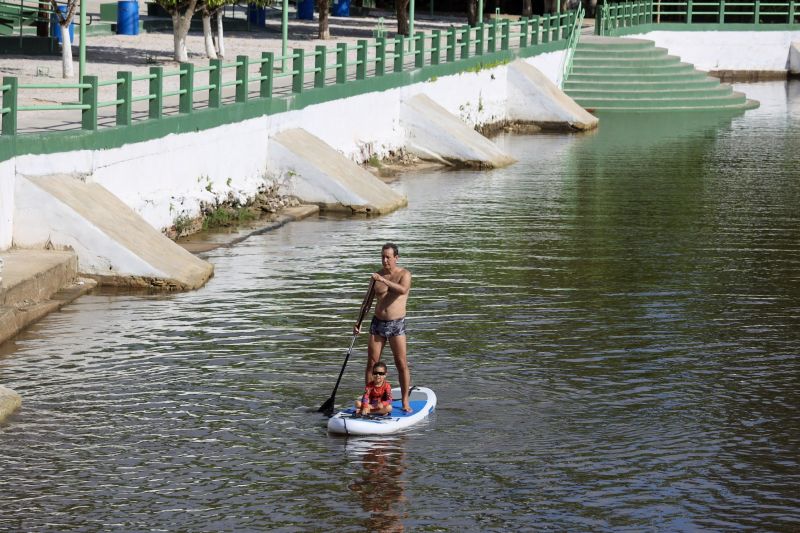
column 400, row 288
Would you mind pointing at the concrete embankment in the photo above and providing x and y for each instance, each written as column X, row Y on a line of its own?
column 113, row 243
column 35, row 283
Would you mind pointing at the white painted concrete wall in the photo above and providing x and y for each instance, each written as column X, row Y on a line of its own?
column 6, row 203
column 728, row 50
column 170, row 177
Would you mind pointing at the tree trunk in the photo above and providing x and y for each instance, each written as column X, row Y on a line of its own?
column 66, row 52
column 527, row 8
column 220, row 37
column 180, row 27
column 472, row 13
column 324, row 28
column 402, row 17
column 208, row 39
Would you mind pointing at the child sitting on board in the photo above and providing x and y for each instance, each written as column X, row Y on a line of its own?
column 377, row 398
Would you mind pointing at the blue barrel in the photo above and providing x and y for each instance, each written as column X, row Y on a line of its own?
column 128, row 17
column 257, row 15
column 55, row 29
column 341, row 8
column 305, row 9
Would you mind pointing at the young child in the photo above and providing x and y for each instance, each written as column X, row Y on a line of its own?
column 377, row 398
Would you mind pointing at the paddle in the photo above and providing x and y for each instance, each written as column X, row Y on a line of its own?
column 327, row 407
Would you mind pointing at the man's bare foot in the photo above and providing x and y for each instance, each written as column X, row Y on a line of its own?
column 407, row 408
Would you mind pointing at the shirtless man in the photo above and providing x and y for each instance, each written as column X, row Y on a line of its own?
column 392, row 284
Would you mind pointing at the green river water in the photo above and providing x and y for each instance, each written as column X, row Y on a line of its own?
column 612, row 326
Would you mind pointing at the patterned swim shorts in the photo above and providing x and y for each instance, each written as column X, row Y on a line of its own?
column 388, row 328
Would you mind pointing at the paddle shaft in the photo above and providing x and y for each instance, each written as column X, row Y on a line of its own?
column 327, row 407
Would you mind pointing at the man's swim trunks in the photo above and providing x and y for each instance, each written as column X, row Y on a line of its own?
column 388, row 328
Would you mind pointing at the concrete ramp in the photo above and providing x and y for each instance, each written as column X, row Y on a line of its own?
column 434, row 134
column 794, row 57
column 533, row 98
column 113, row 243
column 318, row 174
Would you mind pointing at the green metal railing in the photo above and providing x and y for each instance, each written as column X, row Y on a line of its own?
column 342, row 66
column 611, row 18
column 575, row 35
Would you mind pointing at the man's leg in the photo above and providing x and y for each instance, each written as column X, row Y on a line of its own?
column 374, row 351
column 398, row 345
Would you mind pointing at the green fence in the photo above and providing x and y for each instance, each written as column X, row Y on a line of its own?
column 327, row 72
column 613, row 19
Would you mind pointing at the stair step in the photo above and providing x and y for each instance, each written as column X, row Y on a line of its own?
column 591, row 42
column 720, row 90
column 749, row 104
column 637, row 77
column 626, row 62
column 661, row 103
column 614, row 53
column 694, row 83
column 669, row 69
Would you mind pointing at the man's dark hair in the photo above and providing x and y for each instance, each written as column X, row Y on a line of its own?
column 380, row 364
column 393, row 246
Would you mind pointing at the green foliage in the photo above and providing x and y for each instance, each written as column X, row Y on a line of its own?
column 182, row 223
column 374, row 161
column 220, row 217
column 485, row 66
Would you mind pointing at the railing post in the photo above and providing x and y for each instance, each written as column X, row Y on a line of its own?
column 341, row 62
column 523, row 33
column 436, row 46
column 466, row 42
column 89, row 97
column 546, row 28
column 267, row 65
column 124, row 96
column 380, row 56
column 535, row 33
column 215, row 83
column 298, row 69
column 320, row 65
column 187, row 87
column 491, row 46
column 505, row 30
column 155, row 108
column 721, row 14
column 9, row 101
column 242, row 78
column 689, row 8
column 399, row 53
column 479, row 39
column 451, row 45
column 361, row 59
column 419, row 49
column 757, row 13
column 791, row 11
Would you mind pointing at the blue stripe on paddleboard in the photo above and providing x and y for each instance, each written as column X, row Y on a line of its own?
column 397, row 408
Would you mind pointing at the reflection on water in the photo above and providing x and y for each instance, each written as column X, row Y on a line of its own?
column 611, row 326
column 379, row 486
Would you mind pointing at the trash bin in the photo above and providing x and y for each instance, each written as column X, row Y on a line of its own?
column 55, row 29
column 341, row 8
column 257, row 15
column 128, row 17
column 305, row 9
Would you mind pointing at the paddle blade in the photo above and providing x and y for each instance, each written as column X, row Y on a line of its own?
column 327, row 407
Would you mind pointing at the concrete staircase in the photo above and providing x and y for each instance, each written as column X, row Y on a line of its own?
column 614, row 74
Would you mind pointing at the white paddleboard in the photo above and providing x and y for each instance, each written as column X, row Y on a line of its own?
column 422, row 400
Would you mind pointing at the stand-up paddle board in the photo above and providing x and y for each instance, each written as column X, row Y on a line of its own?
column 421, row 399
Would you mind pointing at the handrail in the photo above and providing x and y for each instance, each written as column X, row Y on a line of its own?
column 757, row 13
column 574, row 36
